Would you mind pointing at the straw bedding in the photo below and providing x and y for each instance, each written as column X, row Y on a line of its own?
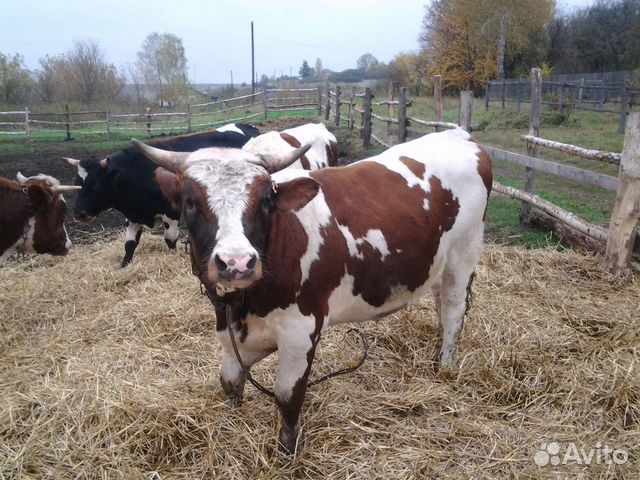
column 111, row 373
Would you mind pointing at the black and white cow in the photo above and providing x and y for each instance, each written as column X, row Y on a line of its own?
column 291, row 252
column 130, row 183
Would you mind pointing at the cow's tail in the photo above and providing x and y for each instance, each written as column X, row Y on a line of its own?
column 469, row 298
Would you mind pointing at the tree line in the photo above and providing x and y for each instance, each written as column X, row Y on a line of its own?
column 83, row 74
column 467, row 42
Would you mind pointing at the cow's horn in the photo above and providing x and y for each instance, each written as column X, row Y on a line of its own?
column 104, row 163
column 172, row 161
column 71, row 161
column 21, row 178
column 275, row 163
column 66, row 189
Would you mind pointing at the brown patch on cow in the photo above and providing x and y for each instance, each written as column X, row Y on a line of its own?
column 411, row 233
column 14, row 207
column 169, row 186
column 294, row 142
column 332, row 154
column 486, row 173
column 416, row 167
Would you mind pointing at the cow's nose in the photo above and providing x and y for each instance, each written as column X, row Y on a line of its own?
column 235, row 266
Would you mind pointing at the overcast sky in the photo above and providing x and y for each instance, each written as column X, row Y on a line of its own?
column 216, row 33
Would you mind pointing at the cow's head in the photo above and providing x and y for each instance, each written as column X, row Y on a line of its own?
column 228, row 200
column 97, row 182
column 47, row 234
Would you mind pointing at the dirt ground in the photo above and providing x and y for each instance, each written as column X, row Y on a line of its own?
column 45, row 158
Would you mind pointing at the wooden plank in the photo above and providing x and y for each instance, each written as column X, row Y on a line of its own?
column 532, row 150
column 626, row 211
column 402, row 116
column 584, row 227
column 437, row 97
column 566, row 171
column 466, row 109
column 434, row 124
column 366, row 118
column 608, row 157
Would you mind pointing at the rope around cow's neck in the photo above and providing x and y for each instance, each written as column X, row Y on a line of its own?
column 265, row 390
column 228, row 308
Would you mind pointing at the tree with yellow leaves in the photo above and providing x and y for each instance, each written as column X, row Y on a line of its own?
column 466, row 41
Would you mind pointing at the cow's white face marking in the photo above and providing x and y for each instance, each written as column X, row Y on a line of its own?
column 82, row 173
column 227, row 174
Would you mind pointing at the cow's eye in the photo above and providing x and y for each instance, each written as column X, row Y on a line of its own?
column 189, row 203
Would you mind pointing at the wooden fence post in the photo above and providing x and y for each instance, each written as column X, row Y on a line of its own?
column 108, row 120
column 148, row 122
column 519, row 94
column 27, row 129
column 561, row 97
column 352, row 99
column 532, row 149
column 626, row 211
column 502, row 95
column 624, row 105
column 327, row 108
column 580, row 92
column 486, row 96
column 319, row 101
column 366, row 131
column 189, row 124
column 67, row 122
column 437, row 96
column 466, row 109
column 402, row 115
column 264, row 102
column 338, row 93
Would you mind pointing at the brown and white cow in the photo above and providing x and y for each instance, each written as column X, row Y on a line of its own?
column 323, row 151
column 294, row 251
column 32, row 212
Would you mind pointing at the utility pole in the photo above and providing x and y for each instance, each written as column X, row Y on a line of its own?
column 253, row 65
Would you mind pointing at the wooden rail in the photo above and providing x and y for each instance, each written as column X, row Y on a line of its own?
column 193, row 116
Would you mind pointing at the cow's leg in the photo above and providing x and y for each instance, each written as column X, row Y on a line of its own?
column 233, row 377
column 134, row 230
column 456, row 282
column 436, row 291
column 171, row 231
column 296, row 351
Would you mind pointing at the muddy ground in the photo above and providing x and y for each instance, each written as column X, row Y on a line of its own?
column 46, row 158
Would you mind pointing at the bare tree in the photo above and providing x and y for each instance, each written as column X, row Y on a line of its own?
column 367, row 62
column 163, row 61
column 91, row 77
column 136, row 80
column 15, row 79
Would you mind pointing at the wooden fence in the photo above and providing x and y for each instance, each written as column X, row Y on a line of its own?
column 568, row 95
column 191, row 118
column 618, row 242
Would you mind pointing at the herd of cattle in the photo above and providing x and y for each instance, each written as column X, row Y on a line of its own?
column 284, row 242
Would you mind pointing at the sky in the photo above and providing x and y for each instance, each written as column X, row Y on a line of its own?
column 216, row 33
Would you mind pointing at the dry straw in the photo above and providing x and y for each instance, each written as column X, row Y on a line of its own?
column 111, row 373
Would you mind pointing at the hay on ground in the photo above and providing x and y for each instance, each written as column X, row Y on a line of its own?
column 113, row 373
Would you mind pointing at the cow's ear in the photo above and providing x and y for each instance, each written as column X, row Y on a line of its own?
column 169, row 186
column 39, row 196
column 295, row 194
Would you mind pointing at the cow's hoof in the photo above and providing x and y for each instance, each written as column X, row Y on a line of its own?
column 235, row 401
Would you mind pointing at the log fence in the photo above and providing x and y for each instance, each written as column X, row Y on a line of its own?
column 193, row 118
column 568, row 95
column 618, row 242
column 620, row 239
